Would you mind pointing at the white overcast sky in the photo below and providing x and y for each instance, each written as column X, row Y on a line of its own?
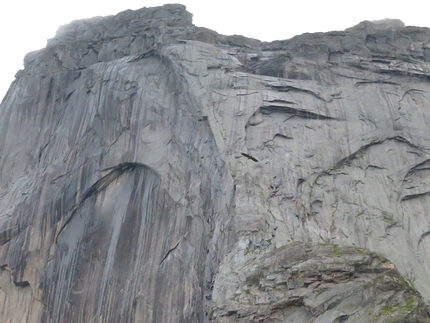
column 25, row 25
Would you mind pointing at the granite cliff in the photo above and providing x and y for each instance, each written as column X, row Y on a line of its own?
column 155, row 171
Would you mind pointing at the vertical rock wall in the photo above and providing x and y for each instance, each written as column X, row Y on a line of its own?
column 153, row 171
column 112, row 191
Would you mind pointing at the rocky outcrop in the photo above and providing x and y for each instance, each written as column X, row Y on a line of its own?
column 154, row 171
column 316, row 283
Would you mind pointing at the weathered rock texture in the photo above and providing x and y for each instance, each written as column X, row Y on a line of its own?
column 153, row 171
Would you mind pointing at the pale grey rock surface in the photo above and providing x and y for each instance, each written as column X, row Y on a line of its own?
column 316, row 283
column 125, row 195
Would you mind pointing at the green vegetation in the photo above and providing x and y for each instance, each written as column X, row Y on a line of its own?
column 396, row 309
column 387, row 310
column 336, row 250
column 387, row 217
column 360, row 214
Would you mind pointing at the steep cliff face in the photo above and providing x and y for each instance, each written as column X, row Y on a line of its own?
column 153, row 171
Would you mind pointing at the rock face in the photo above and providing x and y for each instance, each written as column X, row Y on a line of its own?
column 153, row 171
column 322, row 283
